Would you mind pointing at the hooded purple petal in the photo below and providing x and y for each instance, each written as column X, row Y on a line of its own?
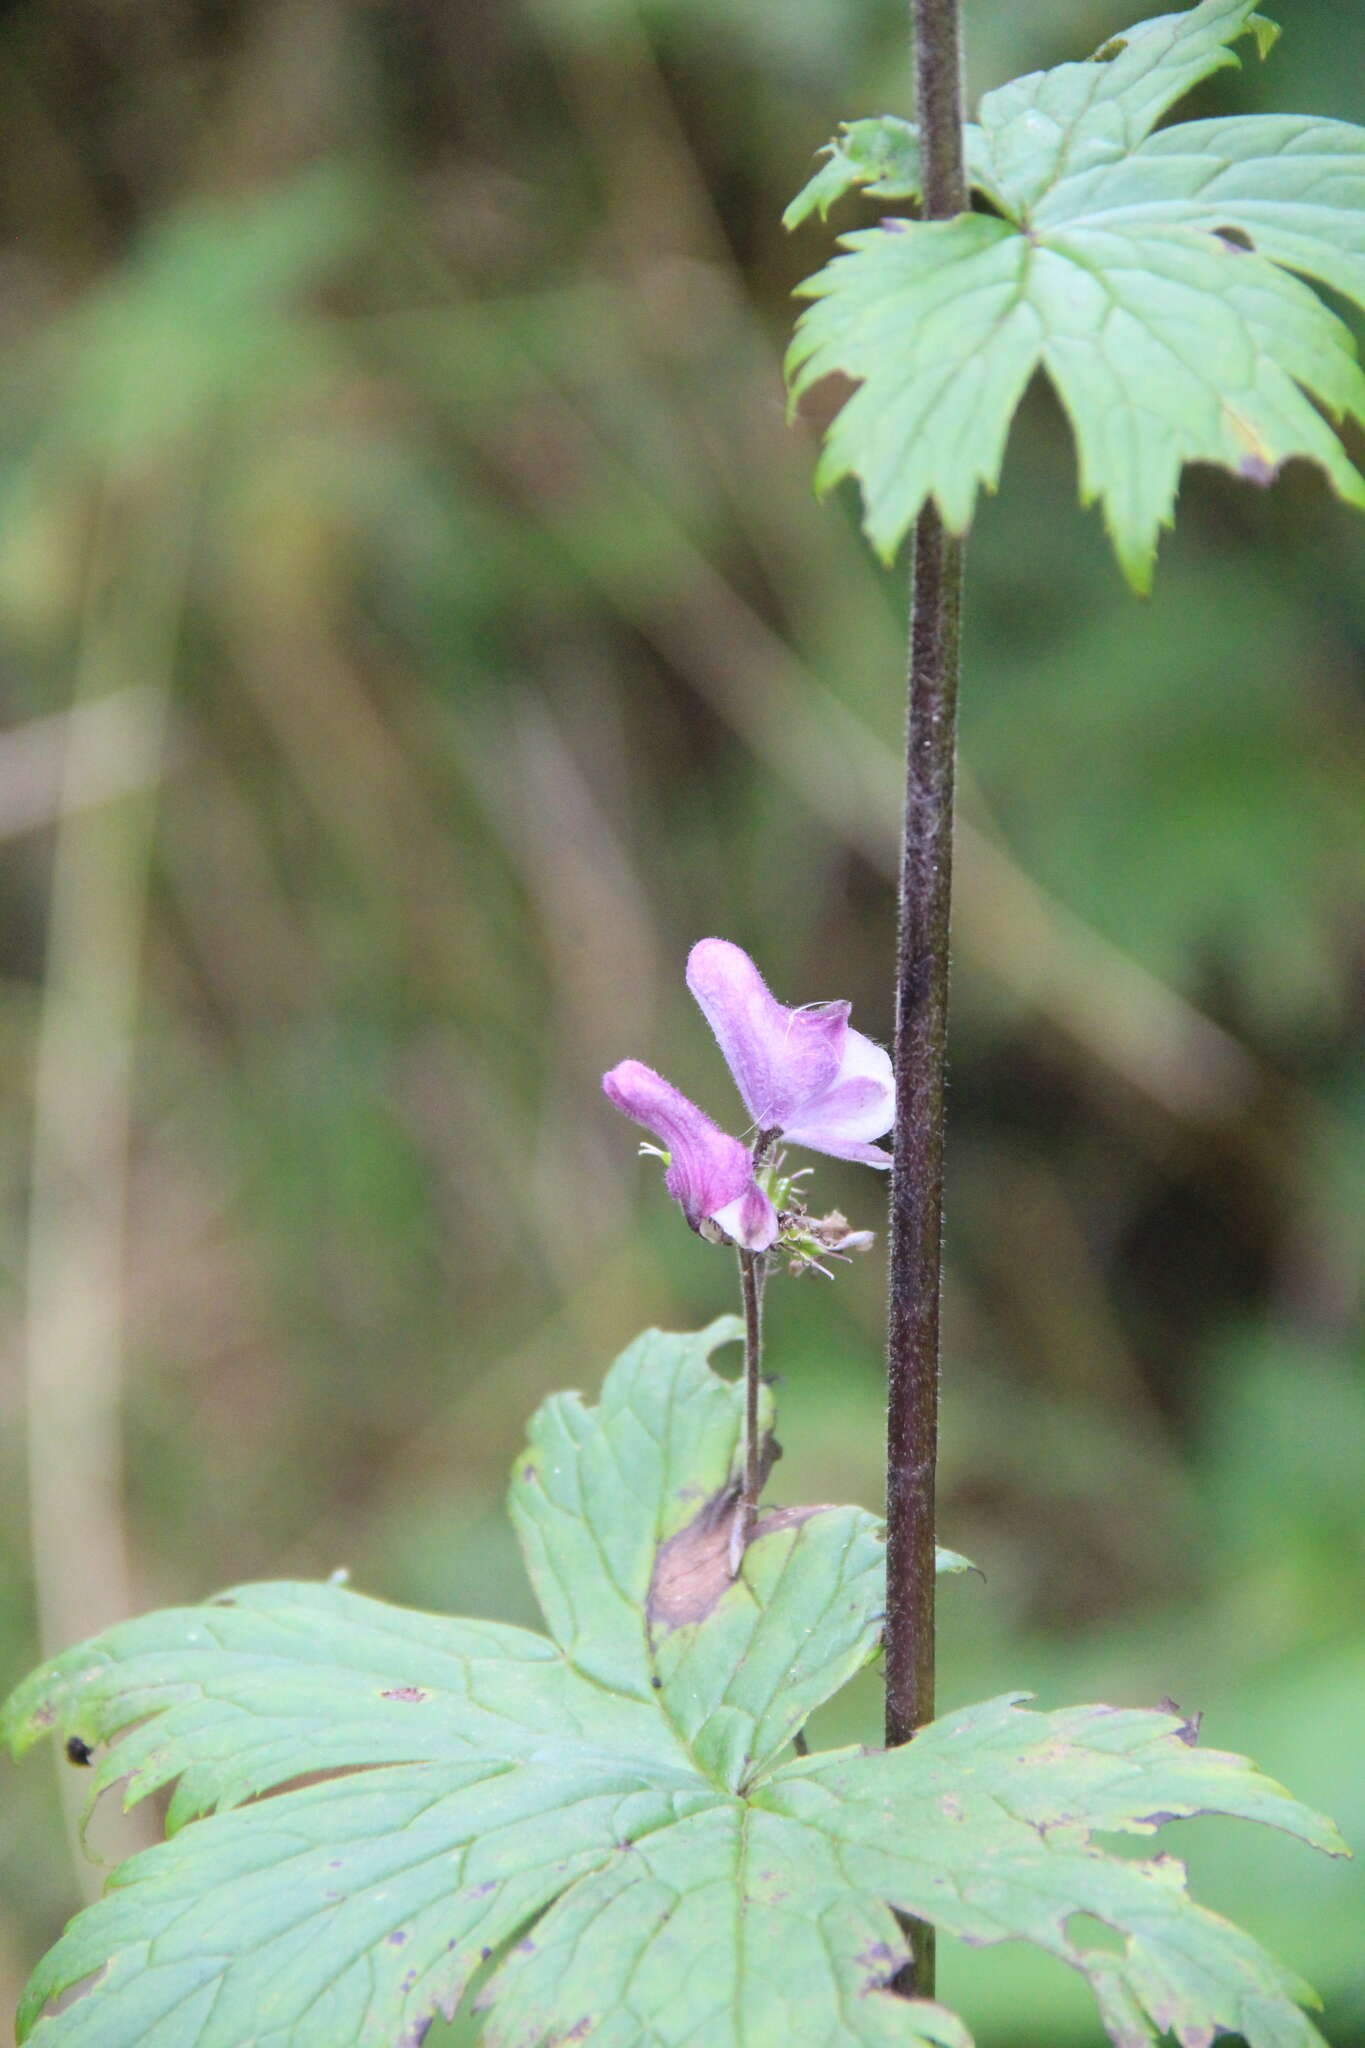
column 710, row 1174
column 780, row 1058
column 804, row 1072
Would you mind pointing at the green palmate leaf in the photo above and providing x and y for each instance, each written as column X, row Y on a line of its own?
column 609, row 1830
column 1048, row 123
column 953, row 1561
column 1141, row 272
column 1052, row 124
column 270, row 1682
column 878, row 156
column 1292, row 186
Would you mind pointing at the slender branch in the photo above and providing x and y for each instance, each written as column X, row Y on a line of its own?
column 922, row 1009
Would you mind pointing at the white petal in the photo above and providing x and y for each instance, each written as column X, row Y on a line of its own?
column 864, row 1113
column 750, row 1220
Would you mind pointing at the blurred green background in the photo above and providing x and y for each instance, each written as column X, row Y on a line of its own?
column 415, row 630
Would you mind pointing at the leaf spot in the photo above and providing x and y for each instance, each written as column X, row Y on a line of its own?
column 1188, row 1732
column 1257, row 470
column 881, row 1963
column 412, row 1694
column 397, row 1938
column 1089, row 1935
column 692, row 1570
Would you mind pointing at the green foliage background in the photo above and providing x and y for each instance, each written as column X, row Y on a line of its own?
column 390, row 410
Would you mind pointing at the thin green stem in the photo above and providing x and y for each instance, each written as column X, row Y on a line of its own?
column 751, row 1292
column 82, row 1134
column 753, row 1271
column 922, row 1010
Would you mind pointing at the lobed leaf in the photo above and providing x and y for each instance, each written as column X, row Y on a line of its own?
column 1144, row 274
column 350, row 1911
column 272, row 1682
column 600, row 1489
column 879, row 156
column 946, row 1562
column 625, row 1513
column 932, row 321
column 1294, row 187
column 735, row 1927
column 1048, row 124
column 983, row 1825
column 601, row 1831
column 1051, row 124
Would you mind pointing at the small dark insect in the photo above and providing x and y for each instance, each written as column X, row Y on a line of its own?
column 78, row 1752
column 1189, row 1734
column 657, row 1684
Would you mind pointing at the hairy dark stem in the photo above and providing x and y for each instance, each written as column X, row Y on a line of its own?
column 938, row 106
column 922, row 1009
column 917, row 1178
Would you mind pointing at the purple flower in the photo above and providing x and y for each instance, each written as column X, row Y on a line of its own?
column 801, row 1072
column 711, row 1175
